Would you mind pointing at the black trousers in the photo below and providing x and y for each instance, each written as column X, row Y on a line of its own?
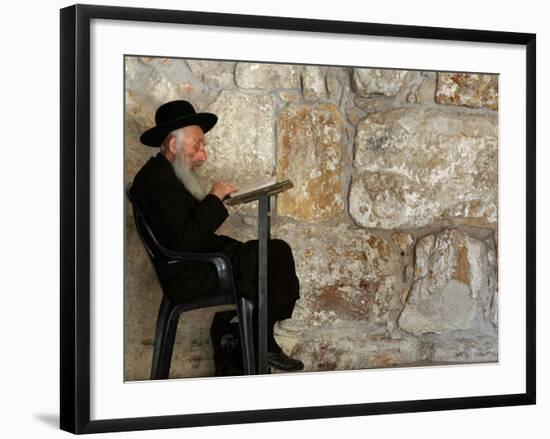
column 283, row 285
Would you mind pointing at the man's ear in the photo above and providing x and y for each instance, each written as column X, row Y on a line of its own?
column 172, row 145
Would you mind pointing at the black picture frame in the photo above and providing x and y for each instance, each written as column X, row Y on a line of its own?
column 75, row 217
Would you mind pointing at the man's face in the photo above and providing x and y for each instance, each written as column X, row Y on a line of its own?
column 194, row 146
column 189, row 154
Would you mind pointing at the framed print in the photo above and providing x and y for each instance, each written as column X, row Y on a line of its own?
column 400, row 273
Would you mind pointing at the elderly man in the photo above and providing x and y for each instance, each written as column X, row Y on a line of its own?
column 185, row 217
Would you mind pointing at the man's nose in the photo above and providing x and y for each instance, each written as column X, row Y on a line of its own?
column 201, row 155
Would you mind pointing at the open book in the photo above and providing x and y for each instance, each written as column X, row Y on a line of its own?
column 261, row 185
column 251, row 193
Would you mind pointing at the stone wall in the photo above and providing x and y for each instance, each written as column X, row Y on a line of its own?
column 392, row 219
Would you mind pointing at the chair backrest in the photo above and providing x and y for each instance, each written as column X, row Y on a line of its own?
column 160, row 254
column 156, row 251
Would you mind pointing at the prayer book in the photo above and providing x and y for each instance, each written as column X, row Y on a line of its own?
column 251, row 193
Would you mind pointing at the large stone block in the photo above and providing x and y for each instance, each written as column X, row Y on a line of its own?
column 310, row 153
column 137, row 74
column 346, row 346
column 336, row 79
column 139, row 116
column 423, row 88
column 268, row 76
column 313, row 83
column 171, row 79
column 467, row 89
column 345, row 274
column 464, row 347
column 451, row 286
column 217, row 74
column 414, row 167
column 377, row 81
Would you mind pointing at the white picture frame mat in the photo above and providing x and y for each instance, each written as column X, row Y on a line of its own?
column 113, row 398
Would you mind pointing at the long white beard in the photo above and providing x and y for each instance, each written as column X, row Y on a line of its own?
column 188, row 177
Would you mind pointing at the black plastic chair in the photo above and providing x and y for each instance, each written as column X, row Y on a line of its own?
column 169, row 312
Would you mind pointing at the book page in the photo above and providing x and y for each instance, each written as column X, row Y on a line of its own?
column 245, row 190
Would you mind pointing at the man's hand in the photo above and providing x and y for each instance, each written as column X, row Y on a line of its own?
column 221, row 189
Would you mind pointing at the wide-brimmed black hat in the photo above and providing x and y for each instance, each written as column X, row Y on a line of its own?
column 173, row 115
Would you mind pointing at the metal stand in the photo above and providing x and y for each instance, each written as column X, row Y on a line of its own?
column 263, row 195
column 264, row 225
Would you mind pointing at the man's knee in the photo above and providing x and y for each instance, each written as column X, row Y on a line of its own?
column 280, row 246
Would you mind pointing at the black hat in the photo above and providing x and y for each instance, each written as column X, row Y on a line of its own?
column 173, row 115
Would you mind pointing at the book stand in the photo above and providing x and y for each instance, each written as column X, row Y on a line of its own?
column 264, row 225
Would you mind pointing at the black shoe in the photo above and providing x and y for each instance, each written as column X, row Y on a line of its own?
column 282, row 361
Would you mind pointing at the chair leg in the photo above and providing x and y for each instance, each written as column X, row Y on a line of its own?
column 245, row 309
column 165, row 335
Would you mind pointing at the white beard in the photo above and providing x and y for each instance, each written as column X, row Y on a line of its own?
column 188, row 177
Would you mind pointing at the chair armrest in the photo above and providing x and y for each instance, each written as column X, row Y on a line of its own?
column 219, row 260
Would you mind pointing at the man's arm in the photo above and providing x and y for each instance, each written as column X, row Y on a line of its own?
column 188, row 223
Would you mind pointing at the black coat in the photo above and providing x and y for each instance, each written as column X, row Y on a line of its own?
column 181, row 222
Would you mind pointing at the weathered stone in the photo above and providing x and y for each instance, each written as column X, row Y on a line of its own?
column 162, row 90
column 149, row 60
column 417, row 166
column 241, row 141
column 267, row 76
column 137, row 361
column 309, row 151
column 405, row 293
column 375, row 103
column 136, row 74
column 175, row 70
column 403, row 240
column 251, row 220
column 139, row 117
column 142, row 294
column 346, row 346
column 409, row 271
column 235, row 229
column 336, row 79
column 140, row 112
column 423, row 91
column 450, row 290
column 345, row 274
column 467, row 89
column 171, row 79
column 379, row 81
column 313, row 83
column 142, row 290
column 352, row 113
column 368, row 298
column 492, row 313
column 218, row 74
column 463, row 347
column 290, row 96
